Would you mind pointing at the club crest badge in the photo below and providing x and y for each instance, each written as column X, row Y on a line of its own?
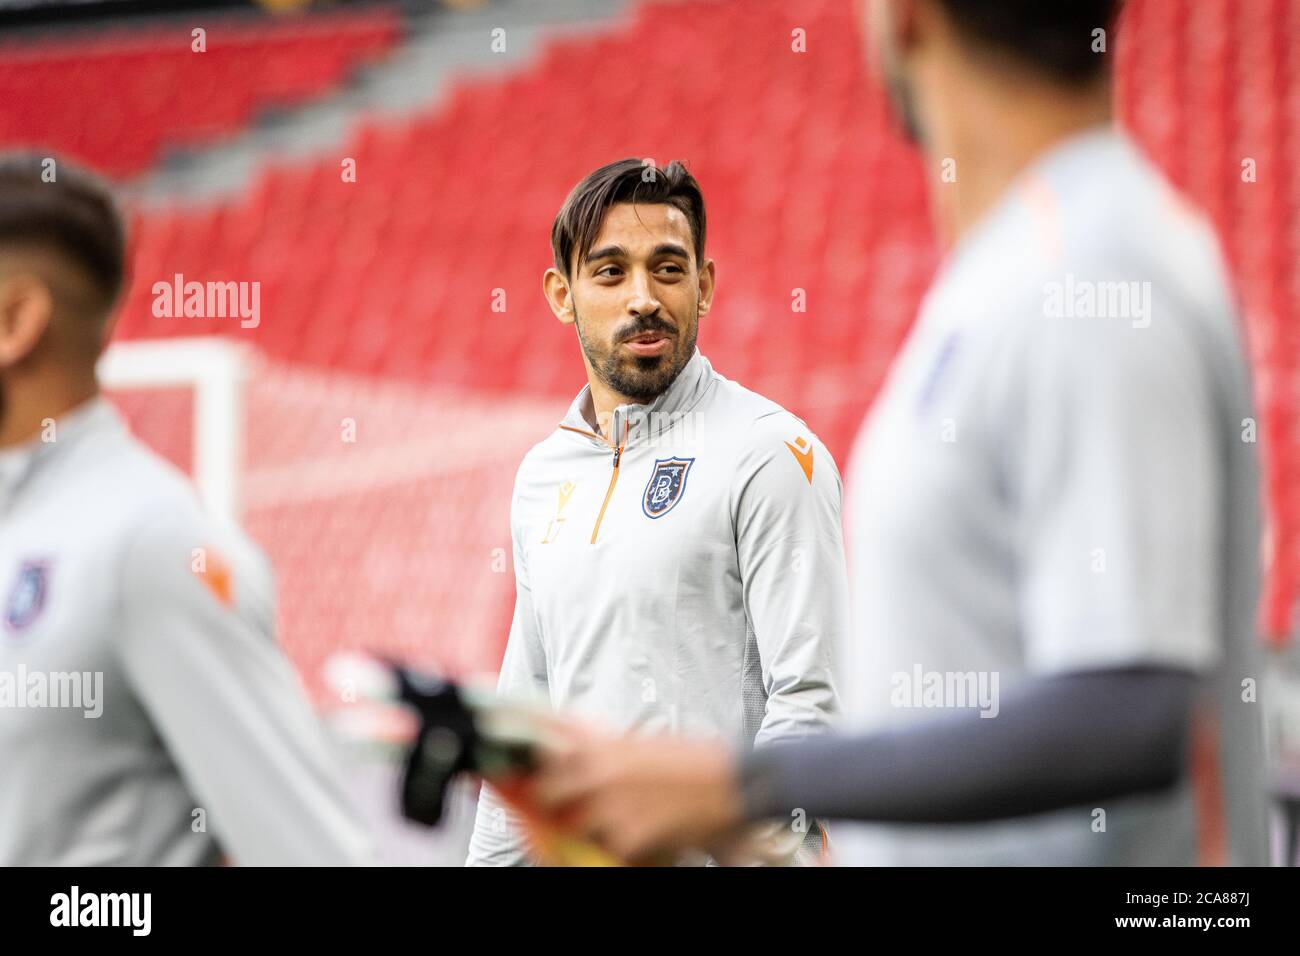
column 26, row 598
column 666, row 485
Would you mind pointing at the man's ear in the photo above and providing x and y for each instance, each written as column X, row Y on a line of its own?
column 558, row 295
column 708, row 282
column 26, row 308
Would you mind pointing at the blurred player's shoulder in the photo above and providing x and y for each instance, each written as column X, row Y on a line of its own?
column 1093, row 241
column 1133, row 218
column 140, row 508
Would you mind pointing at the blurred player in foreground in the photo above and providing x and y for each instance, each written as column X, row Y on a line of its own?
column 147, row 715
column 678, row 551
column 1053, row 508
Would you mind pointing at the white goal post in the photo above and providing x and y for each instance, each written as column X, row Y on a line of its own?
column 215, row 368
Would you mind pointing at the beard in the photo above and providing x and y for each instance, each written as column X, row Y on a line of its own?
column 641, row 378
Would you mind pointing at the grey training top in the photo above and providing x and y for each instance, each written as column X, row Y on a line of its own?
column 693, row 582
column 146, row 715
column 1060, row 475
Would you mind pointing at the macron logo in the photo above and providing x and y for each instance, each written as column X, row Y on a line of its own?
column 803, row 455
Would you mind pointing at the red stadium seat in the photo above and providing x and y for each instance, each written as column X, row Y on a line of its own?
column 115, row 100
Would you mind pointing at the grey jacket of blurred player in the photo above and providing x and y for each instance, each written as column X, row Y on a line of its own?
column 205, row 742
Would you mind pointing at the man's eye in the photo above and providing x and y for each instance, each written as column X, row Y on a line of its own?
column 607, row 271
column 672, row 268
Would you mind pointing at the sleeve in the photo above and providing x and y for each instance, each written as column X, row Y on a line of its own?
column 790, row 549
column 1058, row 741
column 498, row 838
column 1116, row 476
column 198, row 649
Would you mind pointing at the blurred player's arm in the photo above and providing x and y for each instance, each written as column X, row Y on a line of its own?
column 498, row 834
column 197, row 644
column 1056, row 742
column 790, row 548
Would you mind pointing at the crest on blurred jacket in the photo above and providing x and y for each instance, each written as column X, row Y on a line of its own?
column 27, row 596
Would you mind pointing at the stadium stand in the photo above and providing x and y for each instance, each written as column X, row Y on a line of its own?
column 115, row 99
column 394, row 284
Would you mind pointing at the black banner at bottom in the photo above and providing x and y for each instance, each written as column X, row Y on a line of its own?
column 592, row 908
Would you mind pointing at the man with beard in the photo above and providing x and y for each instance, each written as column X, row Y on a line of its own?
column 1056, row 489
column 678, row 552
column 200, row 741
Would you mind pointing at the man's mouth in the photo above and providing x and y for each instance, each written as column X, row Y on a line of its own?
column 649, row 343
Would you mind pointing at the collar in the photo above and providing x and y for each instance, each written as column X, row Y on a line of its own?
column 632, row 420
column 19, row 463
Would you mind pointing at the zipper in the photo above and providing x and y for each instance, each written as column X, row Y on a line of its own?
column 613, row 480
column 609, row 492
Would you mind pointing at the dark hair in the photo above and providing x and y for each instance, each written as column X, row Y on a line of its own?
column 628, row 180
column 1054, row 37
column 46, row 200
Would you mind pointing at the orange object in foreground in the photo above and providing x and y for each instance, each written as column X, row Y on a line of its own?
column 548, row 840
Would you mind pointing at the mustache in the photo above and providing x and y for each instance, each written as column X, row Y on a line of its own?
column 650, row 323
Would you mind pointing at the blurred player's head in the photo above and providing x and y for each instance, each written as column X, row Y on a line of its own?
column 62, row 254
column 630, row 274
column 1029, row 44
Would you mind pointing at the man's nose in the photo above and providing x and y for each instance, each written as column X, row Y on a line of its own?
column 642, row 301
